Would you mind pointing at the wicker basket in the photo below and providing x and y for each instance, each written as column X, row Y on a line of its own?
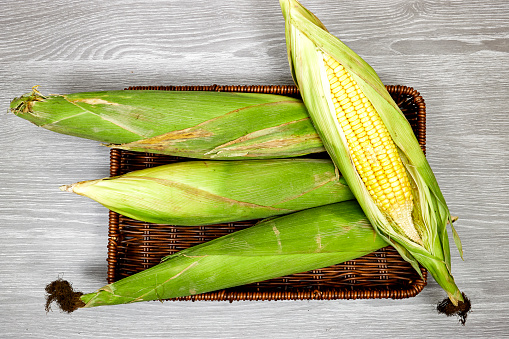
column 135, row 246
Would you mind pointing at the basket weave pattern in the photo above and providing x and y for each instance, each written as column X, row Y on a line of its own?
column 134, row 245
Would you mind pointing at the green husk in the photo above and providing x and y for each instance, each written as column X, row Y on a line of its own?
column 294, row 243
column 307, row 41
column 195, row 124
column 209, row 192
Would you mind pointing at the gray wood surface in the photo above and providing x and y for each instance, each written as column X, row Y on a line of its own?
column 456, row 53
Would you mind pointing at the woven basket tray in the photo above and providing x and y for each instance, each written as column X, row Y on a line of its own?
column 135, row 246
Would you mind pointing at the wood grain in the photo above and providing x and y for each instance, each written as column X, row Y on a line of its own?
column 454, row 52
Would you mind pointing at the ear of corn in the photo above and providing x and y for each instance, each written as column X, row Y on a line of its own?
column 195, row 124
column 209, row 192
column 294, row 243
column 372, row 144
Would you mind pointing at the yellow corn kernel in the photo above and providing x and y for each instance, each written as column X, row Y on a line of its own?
column 373, row 152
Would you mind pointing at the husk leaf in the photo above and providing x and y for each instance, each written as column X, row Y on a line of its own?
column 209, row 192
column 298, row 242
column 196, row 124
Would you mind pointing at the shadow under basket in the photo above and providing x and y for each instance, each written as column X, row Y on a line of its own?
column 134, row 245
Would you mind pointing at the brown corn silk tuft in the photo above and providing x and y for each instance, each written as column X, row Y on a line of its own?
column 62, row 292
column 461, row 310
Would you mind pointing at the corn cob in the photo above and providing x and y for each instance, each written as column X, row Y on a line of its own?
column 273, row 248
column 372, row 145
column 209, row 192
column 195, row 124
column 373, row 152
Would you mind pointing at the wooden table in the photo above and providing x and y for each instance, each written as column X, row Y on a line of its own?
column 455, row 53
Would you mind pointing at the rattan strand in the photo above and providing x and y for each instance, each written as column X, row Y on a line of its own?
column 134, row 245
